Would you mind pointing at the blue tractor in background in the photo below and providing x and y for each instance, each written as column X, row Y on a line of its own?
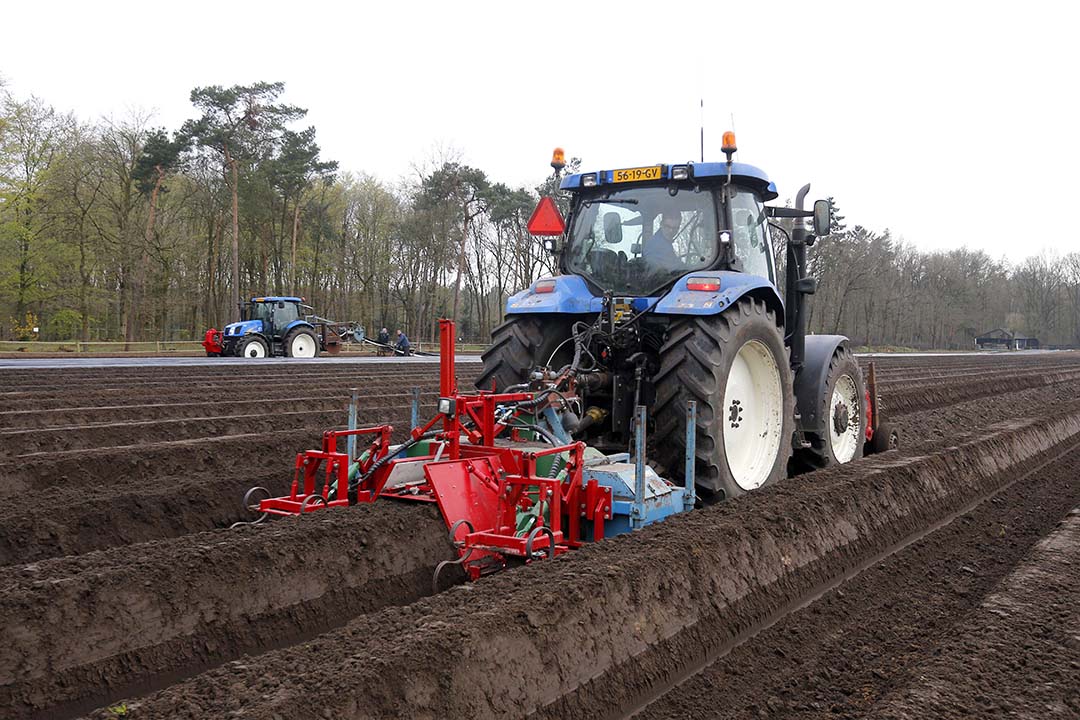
column 668, row 294
column 275, row 326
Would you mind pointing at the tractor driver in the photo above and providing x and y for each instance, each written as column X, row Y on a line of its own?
column 659, row 253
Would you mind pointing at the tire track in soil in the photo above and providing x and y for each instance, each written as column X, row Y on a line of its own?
column 1016, row 654
column 106, row 465
column 840, row 655
column 943, row 394
column 251, row 390
column 667, row 595
column 68, row 417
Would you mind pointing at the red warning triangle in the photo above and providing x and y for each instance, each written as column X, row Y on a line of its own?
column 546, row 219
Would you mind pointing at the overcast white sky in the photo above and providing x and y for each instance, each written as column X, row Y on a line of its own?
column 950, row 123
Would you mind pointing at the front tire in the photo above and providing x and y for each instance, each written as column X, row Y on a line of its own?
column 252, row 347
column 735, row 366
column 301, row 343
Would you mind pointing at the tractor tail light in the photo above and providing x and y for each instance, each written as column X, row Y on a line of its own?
column 703, row 284
column 544, row 286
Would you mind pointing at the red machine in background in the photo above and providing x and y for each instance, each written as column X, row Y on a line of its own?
column 212, row 343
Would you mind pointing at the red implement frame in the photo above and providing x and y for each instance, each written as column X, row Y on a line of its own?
column 212, row 342
column 475, row 483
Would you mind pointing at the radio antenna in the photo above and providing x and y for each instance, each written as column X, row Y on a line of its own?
column 702, row 129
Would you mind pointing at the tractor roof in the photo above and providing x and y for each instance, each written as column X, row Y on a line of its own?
column 740, row 172
column 275, row 298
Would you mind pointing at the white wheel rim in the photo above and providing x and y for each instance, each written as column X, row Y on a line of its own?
column 753, row 419
column 254, row 350
column 845, row 403
column 303, row 346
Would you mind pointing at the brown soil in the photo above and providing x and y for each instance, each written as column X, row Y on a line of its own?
column 601, row 629
column 824, row 595
column 148, row 613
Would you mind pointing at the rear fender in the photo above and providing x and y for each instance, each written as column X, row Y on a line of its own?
column 680, row 300
column 811, row 379
column 299, row 323
column 570, row 295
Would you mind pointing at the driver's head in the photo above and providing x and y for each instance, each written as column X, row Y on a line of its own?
column 670, row 222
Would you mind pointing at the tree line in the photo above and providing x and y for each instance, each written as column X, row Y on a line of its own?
column 119, row 230
column 881, row 291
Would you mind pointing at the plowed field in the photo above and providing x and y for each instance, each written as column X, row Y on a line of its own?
column 938, row 580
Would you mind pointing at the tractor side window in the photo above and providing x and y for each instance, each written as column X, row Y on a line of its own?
column 284, row 316
column 749, row 231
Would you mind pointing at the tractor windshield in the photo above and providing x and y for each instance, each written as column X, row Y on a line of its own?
column 633, row 241
column 257, row 311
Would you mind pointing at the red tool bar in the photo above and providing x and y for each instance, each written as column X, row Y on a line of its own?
column 447, row 377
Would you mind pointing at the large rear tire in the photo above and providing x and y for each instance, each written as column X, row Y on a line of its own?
column 519, row 344
column 736, row 367
column 301, row 343
column 843, row 408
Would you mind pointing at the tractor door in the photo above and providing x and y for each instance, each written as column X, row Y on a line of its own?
column 262, row 311
column 284, row 313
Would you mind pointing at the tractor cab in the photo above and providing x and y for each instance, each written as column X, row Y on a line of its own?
column 275, row 313
column 638, row 230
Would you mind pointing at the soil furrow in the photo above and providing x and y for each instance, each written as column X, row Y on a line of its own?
column 42, row 419
column 598, row 628
column 839, row 656
column 208, row 456
column 1016, row 655
column 149, row 614
column 25, row 443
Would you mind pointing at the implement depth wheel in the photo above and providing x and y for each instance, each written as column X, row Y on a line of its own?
column 301, row 343
column 885, row 439
column 844, row 410
column 735, row 366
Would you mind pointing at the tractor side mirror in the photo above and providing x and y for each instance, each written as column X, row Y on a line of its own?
column 822, row 218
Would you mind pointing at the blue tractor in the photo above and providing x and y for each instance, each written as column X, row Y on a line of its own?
column 668, row 294
column 272, row 326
